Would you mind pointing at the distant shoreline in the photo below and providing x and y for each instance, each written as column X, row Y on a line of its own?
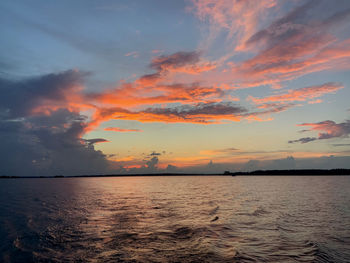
column 296, row 172
column 316, row 172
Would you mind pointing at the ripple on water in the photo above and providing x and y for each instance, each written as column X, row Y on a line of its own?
column 150, row 220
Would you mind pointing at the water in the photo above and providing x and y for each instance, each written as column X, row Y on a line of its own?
column 175, row 219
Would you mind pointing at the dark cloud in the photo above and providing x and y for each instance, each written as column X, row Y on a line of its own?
column 171, row 168
column 251, row 165
column 19, row 98
column 97, row 140
column 299, row 22
column 290, row 162
column 341, row 144
column 152, row 163
column 303, row 140
column 286, row 163
column 45, row 143
column 283, row 27
column 185, row 111
column 327, row 130
column 200, row 113
column 175, row 60
column 149, row 78
column 186, row 62
column 155, row 153
column 269, row 108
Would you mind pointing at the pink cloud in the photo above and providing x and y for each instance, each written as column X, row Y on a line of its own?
column 133, row 54
column 329, row 129
column 301, row 94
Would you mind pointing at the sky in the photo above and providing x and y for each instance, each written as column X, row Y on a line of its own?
column 113, row 86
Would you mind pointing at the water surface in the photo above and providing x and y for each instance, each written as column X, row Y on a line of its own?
column 176, row 219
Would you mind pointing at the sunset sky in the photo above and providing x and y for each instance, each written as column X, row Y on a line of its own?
column 102, row 86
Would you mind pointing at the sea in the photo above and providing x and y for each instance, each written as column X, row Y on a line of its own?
column 176, row 219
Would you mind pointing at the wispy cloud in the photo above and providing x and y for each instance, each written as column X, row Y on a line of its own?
column 116, row 129
column 303, row 140
column 238, row 19
column 301, row 94
column 133, row 54
column 341, row 144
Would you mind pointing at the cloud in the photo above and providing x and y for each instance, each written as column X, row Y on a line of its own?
column 237, row 19
column 23, row 98
column 283, row 27
column 259, row 45
column 341, row 144
column 315, row 101
column 303, row 140
column 301, row 94
column 308, row 38
column 325, row 161
column 188, row 62
column 116, row 129
column 299, row 43
column 201, row 113
column 157, row 51
column 171, row 169
column 155, row 153
column 197, row 113
column 41, row 128
column 152, row 163
column 329, row 129
column 149, row 79
column 93, row 141
column 175, row 61
column 133, row 54
column 129, row 95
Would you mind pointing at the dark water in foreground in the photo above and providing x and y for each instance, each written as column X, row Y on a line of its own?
column 175, row 219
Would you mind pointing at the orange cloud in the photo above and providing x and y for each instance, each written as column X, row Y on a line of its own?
column 289, row 49
column 270, row 72
column 201, row 113
column 129, row 95
column 294, row 45
column 116, row 129
column 301, row 94
column 315, row 101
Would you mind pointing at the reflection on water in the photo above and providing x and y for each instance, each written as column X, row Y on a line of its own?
column 175, row 219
